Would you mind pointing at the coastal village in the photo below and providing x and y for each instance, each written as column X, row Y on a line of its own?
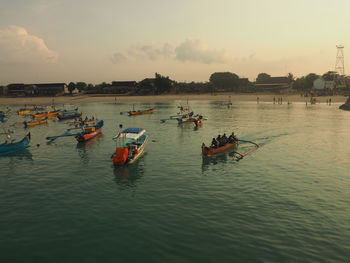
column 330, row 83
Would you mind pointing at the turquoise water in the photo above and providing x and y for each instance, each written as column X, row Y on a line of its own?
column 286, row 202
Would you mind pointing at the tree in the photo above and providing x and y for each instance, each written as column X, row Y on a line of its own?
column 162, row 84
column 309, row 80
column 71, row 87
column 226, row 81
column 263, row 78
column 81, row 86
column 330, row 75
column 290, row 77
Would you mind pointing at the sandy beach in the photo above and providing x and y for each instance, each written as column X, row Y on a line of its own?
column 166, row 98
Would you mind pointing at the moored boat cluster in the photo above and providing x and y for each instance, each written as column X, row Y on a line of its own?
column 130, row 143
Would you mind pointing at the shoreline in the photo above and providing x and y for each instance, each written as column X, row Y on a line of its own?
column 238, row 97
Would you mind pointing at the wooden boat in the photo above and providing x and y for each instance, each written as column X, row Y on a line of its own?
column 140, row 112
column 13, row 146
column 69, row 114
column 40, row 115
column 34, row 122
column 24, row 111
column 130, row 147
column 207, row 151
column 90, row 132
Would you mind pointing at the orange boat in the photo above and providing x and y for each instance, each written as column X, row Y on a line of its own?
column 48, row 114
column 139, row 112
column 34, row 122
column 207, row 151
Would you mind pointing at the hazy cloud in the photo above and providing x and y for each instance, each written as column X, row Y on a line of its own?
column 151, row 52
column 189, row 50
column 118, row 58
column 197, row 51
column 17, row 46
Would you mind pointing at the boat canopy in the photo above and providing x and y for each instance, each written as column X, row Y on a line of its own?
column 131, row 133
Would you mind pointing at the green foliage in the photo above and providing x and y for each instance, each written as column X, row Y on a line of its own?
column 71, row 87
column 305, row 83
column 81, row 86
column 263, row 78
column 330, row 75
column 309, row 80
column 225, row 81
column 162, row 84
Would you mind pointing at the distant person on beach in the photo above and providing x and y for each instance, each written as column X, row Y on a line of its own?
column 274, row 100
column 257, row 100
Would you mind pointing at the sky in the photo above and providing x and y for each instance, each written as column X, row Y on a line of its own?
column 187, row 40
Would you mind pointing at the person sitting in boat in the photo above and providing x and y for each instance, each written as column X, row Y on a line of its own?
column 224, row 138
column 232, row 138
column 214, row 143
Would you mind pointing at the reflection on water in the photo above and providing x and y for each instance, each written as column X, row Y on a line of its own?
column 220, row 158
column 84, row 147
column 24, row 154
column 126, row 175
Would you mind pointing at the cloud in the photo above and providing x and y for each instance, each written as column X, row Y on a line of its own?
column 187, row 51
column 151, row 52
column 118, row 58
column 197, row 51
column 17, row 46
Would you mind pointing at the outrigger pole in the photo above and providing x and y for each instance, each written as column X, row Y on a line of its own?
column 242, row 155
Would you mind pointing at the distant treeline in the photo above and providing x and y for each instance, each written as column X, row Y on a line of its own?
column 218, row 82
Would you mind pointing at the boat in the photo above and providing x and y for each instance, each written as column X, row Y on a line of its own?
column 69, row 114
column 346, row 105
column 34, row 122
column 89, row 132
column 140, row 112
column 13, row 146
column 207, row 151
column 24, row 111
column 130, row 147
column 230, row 144
column 81, row 122
column 198, row 120
column 2, row 116
column 47, row 114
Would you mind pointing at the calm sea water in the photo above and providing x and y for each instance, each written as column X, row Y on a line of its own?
column 286, row 202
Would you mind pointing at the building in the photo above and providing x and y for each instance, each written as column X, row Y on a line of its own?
column 274, row 84
column 244, row 85
column 51, row 89
column 321, row 86
column 21, row 90
column 318, row 84
column 43, row 89
column 122, row 87
column 3, row 91
column 147, row 86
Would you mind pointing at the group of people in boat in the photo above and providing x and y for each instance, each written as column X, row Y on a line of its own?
column 222, row 140
column 81, row 121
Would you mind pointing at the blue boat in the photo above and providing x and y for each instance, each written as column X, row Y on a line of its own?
column 2, row 116
column 130, row 146
column 12, row 146
column 69, row 114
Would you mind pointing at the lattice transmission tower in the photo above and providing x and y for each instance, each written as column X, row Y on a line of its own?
column 339, row 62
